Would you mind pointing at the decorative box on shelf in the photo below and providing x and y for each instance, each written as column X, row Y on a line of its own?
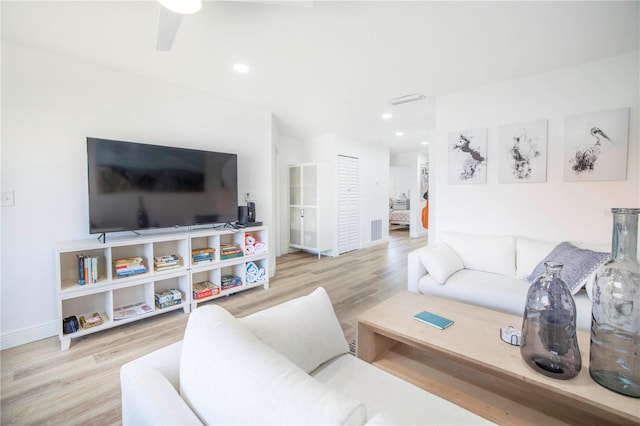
column 205, row 289
column 167, row 298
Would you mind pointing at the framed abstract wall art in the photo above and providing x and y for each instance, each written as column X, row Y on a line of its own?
column 596, row 145
column 468, row 156
column 523, row 152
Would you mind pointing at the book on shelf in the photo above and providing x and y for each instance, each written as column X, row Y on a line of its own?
column 130, row 272
column 87, row 269
column 167, row 267
column 231, row 255
column 166, row 260
column 130, row 311
column 128, row 261
column 230, row 247
column 203, row 251
column 168, row 304
column 92, row 321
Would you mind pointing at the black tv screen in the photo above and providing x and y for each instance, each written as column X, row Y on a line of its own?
column 134, row 186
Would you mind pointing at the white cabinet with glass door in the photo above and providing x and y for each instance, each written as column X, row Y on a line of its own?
column 310, row 207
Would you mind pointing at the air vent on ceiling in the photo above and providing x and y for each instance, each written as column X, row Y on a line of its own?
column 407, row 98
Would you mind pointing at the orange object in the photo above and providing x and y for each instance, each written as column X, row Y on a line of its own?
column 425, row 215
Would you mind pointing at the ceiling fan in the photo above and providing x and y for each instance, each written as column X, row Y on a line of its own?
column 172, row 11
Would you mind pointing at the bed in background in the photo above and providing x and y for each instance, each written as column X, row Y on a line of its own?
column 399, row 214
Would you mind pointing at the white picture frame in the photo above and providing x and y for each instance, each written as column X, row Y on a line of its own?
column 596, row 146
column 523, row 152
column 468, row 157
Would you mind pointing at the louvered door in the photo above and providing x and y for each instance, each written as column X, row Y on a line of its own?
column 348, row 204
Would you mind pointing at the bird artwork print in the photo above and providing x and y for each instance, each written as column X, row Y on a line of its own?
column 523, row 151
column 471, row 165
column 586, row 160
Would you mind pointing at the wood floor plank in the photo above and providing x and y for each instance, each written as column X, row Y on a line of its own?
column 40, row 384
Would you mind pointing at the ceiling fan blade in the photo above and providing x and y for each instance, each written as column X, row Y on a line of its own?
column 168, row 25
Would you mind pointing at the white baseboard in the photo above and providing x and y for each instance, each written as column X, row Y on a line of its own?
column 420, row 233
column 28, row 335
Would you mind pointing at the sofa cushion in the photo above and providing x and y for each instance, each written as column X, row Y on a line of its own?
column 440, row 261
column 498, row 292
column 305, row 330
column 529, row 253
column 494, row 291
column 228, row 376
column 579, row 264
column 488, row 253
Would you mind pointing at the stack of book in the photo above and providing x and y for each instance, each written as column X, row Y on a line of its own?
column 202, row 255
column 230, row 250
column 129, row 266
column 163, row 263
column 167, row 298
column 87, row 269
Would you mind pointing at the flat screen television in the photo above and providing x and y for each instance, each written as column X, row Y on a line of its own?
column 135, row 186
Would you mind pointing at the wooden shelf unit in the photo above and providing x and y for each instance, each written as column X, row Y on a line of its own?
column 110, row 292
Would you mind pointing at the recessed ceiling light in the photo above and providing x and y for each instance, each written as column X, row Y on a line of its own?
column 182, row 6
column 387, row 116
column 241, row 68
column 399, row 133
column 425, row 142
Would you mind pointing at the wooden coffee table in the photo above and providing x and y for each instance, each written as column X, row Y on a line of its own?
column 470, row 365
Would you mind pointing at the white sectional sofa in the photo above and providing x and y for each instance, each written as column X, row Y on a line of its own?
column 491, row 271
column 289, row 364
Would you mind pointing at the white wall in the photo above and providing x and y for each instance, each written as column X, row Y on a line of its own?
column 400, row 178
column 555, row 210
column 50, row 104
column 289, row 152
column 374, row 178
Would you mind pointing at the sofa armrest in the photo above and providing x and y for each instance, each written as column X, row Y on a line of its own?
column 415, row 269
column 150, row 389
column 149, row 398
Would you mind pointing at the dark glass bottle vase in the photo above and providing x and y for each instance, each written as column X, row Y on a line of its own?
column 615, row 314
column 549, row 344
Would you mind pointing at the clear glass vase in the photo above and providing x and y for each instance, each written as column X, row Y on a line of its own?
column 615, row 314
column 549, row 344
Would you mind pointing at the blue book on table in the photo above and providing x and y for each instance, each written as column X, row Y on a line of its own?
column 433, row 320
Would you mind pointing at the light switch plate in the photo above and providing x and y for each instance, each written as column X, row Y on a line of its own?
column 8, row 199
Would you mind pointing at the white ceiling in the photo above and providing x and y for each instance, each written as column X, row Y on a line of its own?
column 332, row 67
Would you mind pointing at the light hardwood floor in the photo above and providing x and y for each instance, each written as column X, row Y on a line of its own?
column 43, row 385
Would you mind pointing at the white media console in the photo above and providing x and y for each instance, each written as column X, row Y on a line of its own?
column 109, row 293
